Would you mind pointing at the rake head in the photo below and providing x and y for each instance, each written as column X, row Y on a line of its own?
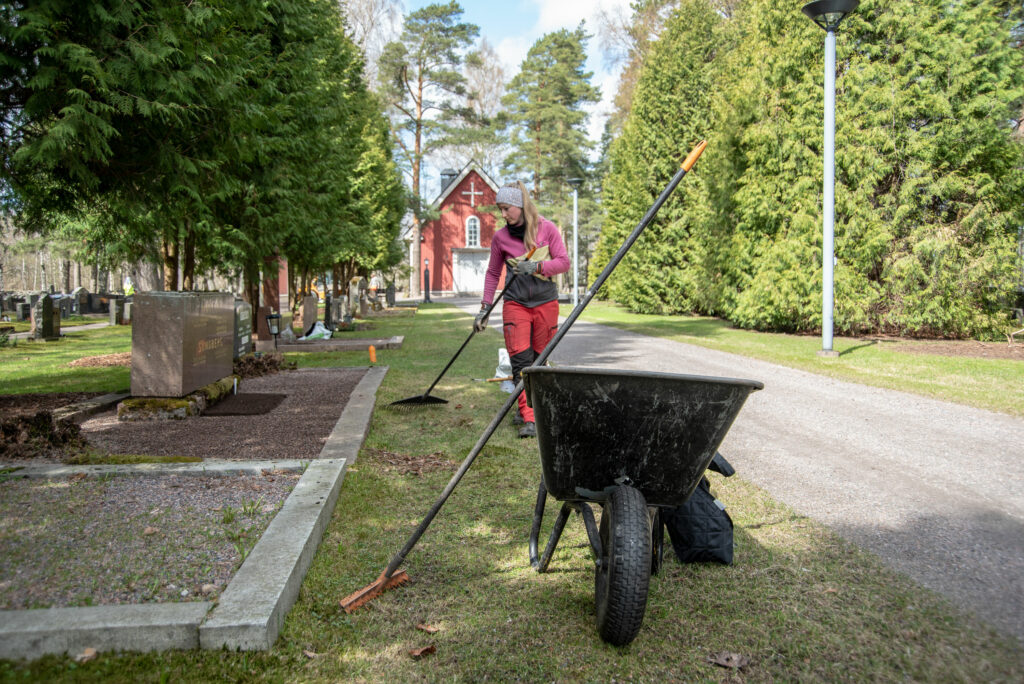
column 359, row 598
column 421, row 400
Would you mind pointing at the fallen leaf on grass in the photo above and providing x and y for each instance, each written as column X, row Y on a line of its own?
column 831, row 590
column 734, row 661
column 150, row 530
column 310, row 654
column 418, row 653
column 86, row 655
column 77, row 477
column 429, row 629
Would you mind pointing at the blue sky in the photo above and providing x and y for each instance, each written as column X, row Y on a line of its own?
column 512, row 26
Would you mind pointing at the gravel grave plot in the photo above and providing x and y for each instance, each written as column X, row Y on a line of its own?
column 296, row 429
column 97, row 540
column 89, row 541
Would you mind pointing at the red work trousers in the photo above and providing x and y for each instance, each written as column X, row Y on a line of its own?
column 527, row 332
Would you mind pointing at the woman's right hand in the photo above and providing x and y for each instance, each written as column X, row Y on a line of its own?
column 480, row 322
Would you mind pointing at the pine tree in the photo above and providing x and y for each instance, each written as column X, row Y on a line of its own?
column 424, row 89
column 545, row 103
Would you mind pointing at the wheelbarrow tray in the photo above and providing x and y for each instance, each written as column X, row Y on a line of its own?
column 598, row 429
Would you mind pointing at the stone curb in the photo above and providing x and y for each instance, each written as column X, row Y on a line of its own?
column 251, row 611
column 362, row 344
column 76, row 413
column 206, row 468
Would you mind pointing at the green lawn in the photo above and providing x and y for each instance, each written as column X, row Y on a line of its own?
column 993, row 384
column 799, row 603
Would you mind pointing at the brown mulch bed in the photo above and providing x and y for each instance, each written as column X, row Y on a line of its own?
column 954, row 348
column 296, row 429
column 122, row 359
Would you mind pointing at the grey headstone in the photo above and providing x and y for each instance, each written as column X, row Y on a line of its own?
column 389, row 294
column 79, row 300
column 356, row 286
column 181, row 341
column 338, row 305
column 308, row 311
column 116, row 311
column 24, row 311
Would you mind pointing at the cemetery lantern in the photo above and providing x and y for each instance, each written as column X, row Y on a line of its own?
column 274, row 324
column 828, row 14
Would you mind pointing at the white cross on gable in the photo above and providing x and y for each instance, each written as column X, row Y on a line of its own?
column 471, row 192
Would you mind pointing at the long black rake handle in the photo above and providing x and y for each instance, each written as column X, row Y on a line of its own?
column 691, row 159
column 423, row 397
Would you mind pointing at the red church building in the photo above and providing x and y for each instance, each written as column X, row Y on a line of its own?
column 457, row 246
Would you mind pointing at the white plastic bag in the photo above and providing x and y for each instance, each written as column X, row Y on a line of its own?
column 504, row 370
column 319, row 332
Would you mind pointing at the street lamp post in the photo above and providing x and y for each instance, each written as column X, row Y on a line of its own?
column 575, row 183
column 828, row 14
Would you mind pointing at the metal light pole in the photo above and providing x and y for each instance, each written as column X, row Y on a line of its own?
column 828, row 14
column 575, row 183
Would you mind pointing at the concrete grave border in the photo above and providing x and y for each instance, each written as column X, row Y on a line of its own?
column 251, row 611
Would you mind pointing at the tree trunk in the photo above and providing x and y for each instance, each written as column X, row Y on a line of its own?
column 169, row 254
column 188, row 268
column 251, row 289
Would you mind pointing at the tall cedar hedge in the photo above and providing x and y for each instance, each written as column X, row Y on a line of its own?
column 929, row 174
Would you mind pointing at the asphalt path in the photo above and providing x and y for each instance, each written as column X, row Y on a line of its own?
column 935, row 489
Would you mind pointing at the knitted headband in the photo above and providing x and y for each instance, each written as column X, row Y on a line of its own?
column 510, row 195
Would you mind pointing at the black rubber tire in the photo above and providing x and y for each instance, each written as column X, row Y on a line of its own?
column 622, row 577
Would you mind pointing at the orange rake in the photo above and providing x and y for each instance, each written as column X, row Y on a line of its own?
column 371, row 591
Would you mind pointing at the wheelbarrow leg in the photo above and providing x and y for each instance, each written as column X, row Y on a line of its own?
column 541, row 564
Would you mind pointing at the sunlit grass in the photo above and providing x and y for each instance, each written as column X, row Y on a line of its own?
column 799, row 602
column 993, row 384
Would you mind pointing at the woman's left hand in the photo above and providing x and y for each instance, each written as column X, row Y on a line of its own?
column 526, row 267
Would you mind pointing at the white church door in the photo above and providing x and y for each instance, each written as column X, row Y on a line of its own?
column 469, row 267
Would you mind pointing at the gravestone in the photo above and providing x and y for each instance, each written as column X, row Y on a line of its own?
column 8, row 302
column 24, row 311
column 65, row 306
column 389, row 295
column 356, row 287
column 79, row 300
column 328, row 319
column 364, row 305
column 181, row 341
column 243, row 328
column 307, row 314
column 33, row 298
column 127, row 311
column 338, row 305
column 45, row 319
column 116, row 311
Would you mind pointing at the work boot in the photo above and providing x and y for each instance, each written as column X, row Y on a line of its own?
column 528, row 430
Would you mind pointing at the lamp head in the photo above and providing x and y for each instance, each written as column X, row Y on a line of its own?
column 274, row 323
column 574, row 182
column 829, row 13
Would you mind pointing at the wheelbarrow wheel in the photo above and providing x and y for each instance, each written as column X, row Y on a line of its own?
column 624, row 571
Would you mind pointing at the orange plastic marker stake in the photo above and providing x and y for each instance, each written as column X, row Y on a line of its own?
column 373, row 354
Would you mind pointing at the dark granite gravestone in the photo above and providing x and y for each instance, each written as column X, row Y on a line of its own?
column 307, row 314
column 7, row 302
column 45, row 319
column 328, row 319
column 181, row 341
column 389, row 294
column 33, row 298
column 24, row 311
column 243, row 329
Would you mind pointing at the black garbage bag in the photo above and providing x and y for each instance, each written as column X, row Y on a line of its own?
column 701, row 529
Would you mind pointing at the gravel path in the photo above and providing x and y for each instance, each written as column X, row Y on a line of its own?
column 935, row 489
